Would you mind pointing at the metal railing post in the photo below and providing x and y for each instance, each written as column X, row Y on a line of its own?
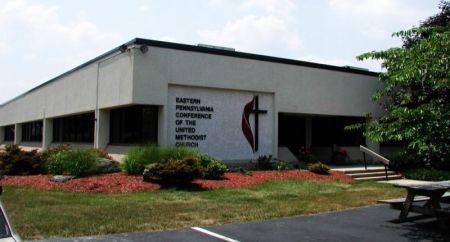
column 365, row 162
column 386, row 172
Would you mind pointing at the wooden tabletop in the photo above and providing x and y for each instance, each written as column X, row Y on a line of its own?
column 444, row 185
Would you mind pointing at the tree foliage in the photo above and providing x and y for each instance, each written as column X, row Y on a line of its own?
column 416, row 90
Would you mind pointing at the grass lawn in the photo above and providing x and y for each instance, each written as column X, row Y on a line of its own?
column 38, row 214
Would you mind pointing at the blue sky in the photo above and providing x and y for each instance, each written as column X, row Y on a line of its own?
column 40, row 39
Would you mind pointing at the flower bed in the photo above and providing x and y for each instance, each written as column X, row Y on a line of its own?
column 121, row 182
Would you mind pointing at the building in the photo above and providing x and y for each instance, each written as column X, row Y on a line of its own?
column 232, row 105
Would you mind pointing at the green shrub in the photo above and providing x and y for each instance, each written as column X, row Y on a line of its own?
column 56, row 162
column 178, row 153
column 319, row 168
column 15, row 161
column 101, row 153
column 214, row 169
column 174, row 172
column 71, row 162
column 52, row 150
column 300, row 165
column 427, row 174
column 405, row 160
column 137, row 158
column 264, row 163
column 281, row 165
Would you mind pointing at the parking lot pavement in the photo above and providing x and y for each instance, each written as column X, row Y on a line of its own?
column 360, row 224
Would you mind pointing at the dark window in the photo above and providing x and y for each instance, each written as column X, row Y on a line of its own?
column 135, row 124
column 9, row 133
column 78, row 128
column 32, row 131
column 327, row 131
column 291, row 131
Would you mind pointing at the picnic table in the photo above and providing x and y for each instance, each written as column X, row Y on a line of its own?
column 432, row 194
column 424, row 199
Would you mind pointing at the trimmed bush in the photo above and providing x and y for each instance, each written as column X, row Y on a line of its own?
column 405, row 160
column 56, row 163
column 264, row 163
column 174, row 172
column 319, row 168
column 56, row 149
column 178, row 153
column 137, row 158
column 15, row 161
column 71, row 162
column 214, row 169
column 427, row 174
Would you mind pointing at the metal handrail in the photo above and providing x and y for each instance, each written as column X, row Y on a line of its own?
column 376, row 156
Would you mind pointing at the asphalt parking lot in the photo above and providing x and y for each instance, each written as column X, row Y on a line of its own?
column 361, row 224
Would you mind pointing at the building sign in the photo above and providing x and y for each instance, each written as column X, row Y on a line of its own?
column 213, row 121
column 189, row 112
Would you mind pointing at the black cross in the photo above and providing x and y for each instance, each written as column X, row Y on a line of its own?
column 257, row 111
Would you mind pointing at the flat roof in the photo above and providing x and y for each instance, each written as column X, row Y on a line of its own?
column 207, row 50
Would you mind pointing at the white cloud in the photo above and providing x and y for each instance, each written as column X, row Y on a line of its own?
column 167, row 39
column 372, row 65
column 45, row 43
column 278, row 7
column 371, row 7
column 4, row 49
column 376, row 32
column 45, row 30
column 260, row 34
column 328, row 61
column 215, row 3
column 144, row 8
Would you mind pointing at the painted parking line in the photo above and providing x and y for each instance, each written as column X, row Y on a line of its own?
column 214, row 234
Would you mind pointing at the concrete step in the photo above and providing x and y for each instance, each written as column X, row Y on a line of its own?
column 352, row 170
column 362, row 170
column 370, row 174
column 379, row 178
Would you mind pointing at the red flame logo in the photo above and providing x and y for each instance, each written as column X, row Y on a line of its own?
column 246, row 128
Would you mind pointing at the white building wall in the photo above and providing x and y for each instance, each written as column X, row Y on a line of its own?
column 134, row 77
column 297, row 89
column 75, row 92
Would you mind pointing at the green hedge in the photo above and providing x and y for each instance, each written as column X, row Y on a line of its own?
column 137, row 158
column 174, row 172
column 76, row 162
column 427, row 174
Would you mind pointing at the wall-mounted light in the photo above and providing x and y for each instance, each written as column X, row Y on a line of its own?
column 142, row 48
column 123, row 48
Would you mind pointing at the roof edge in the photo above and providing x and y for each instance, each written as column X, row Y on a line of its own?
column 224, row 52
column 201, row 49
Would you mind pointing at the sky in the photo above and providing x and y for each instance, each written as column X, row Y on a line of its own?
column 41, row 39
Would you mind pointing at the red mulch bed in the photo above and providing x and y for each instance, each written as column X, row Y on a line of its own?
column 121, row 182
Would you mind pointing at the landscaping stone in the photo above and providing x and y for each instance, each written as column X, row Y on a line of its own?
column 61, row 178
column 103, row 165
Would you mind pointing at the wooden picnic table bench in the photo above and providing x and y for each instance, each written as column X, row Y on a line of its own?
column 431, row 194
column 397, row 203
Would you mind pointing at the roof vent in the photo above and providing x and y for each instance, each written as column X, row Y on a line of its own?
column 216, row 47
column 356, row 68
